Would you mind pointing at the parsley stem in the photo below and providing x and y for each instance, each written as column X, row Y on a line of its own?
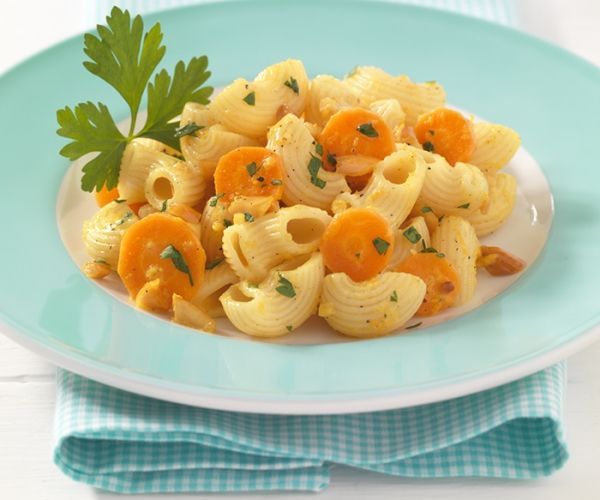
column 134, row 113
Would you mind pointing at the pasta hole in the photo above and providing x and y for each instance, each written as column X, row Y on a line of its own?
column 305, row 230
column 237, row 295
column 163, row 189
column 397, row 172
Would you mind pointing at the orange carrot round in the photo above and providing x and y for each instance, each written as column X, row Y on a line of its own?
column 447, row 133
column 249, row 171
column 162, row 247
column 355, row 131
column 358, row 242
column 439, row 276
column 105, row 196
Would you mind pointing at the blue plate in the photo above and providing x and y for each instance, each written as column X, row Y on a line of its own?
column 551, row 97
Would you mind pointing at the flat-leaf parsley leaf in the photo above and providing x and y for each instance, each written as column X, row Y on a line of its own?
column 125, row 57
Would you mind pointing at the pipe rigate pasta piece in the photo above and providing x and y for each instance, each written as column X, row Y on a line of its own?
column 447, row 190
column 215, row 217
column 371, row 84
column 281, row 303
column 327, row 95
column 174, row 182
column 495, row 145
column 102, row 233
column 305, row 181
column 370, row 308
column 250, row 108
column 455, row 238
column 503, row 194
column 393, row 188
column 408, row 239
column 253, row 248
column 140, row 156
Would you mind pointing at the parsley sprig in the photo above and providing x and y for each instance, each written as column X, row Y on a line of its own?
column 126, row 57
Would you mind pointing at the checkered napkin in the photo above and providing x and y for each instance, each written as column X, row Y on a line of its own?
column 127, row 443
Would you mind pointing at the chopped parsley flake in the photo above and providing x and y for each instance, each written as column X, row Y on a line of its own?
column 170, row 252
column 251, row 168
column 250, row 99
column 428, row 146
column 464, row 205
column 381, row 245
column 215, row 198
column 121, row 221
column 188, row 129
column 368, row 130
column 426, row 210
column 120, row 201
column 314, row 165
column 293, row 84
column 289, row 328
column 285, row 287
column 394, row 296
column 319, row 149
column 412, row 235
column 248, row 217
column 163, row 207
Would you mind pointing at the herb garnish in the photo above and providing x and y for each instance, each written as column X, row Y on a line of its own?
column 285, row 287
column 464, row 205
column 426, row 209
column 289, row 328
column 250, row 99
column 120, row 201
column 163, row 207
column 188, row 129
column 381, row 245
column 428, row 146
column 251, row 168
column 314, row 165
column 394, row 296
column 121, row 221
column 368, row 130
column 213, row 263
column 319, row 149
column 412, row 235
column 126, row 58
column 427, row 249
column 331, row 159
column 214, row 199
column 293, row 84
column 227, row 223
column 248, row 217
column 170, row 252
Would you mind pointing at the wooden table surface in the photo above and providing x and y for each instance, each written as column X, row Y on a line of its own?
column 27, row 383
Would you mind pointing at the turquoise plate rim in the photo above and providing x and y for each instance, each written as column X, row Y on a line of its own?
column 543, row 318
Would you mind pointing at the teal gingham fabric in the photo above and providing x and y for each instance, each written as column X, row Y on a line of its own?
column 127, row 443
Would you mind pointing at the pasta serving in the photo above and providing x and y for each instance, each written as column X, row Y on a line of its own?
column 361, row 200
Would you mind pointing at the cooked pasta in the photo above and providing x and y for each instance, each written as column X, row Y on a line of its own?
column 360, row 200
column 370, row 308
column 103, row 232
column 280, row 303
column 456, row 239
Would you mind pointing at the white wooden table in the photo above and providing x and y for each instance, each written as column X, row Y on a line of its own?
column 27, row 383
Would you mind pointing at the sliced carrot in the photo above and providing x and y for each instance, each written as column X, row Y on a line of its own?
column 447, row 133
column 439, row 276
column 249, row 171
column 105, row 196
column 162, row 247
column 135, row 207
column 358, row 242
column 355, row 131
